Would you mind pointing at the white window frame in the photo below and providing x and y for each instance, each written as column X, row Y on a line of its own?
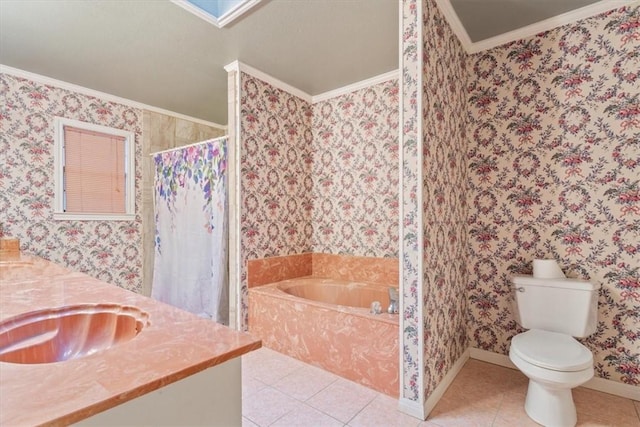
column 58, row 161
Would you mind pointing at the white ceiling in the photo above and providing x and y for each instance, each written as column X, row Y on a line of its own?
column 156, row 53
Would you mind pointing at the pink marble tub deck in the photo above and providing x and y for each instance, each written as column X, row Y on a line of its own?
column 174, row 345
column 326, row 321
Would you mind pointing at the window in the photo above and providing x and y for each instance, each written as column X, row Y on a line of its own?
column 94, row 172
column 217, row 12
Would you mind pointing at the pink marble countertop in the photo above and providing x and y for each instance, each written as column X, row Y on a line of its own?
column 173, row 346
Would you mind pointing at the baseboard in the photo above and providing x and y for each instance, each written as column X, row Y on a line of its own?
column 599, row 384
column 435, row 397
column 614, row 387
column 491, row 357
column 417, row 410
column 411, row 407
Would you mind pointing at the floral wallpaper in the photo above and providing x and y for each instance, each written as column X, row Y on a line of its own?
column 444, row 197
column 554, row 171
column 275, row 175
column 355, row 172
column 107, row 250
column 411, row 248
column 317, row 178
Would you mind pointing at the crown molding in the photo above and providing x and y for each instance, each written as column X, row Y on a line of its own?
column 528, row 31
column 395, row 74
column 5, row 69
column 244, row 68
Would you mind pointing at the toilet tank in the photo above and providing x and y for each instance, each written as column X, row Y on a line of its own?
column 567, row 306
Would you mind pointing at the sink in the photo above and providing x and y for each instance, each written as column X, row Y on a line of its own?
column 70, row 332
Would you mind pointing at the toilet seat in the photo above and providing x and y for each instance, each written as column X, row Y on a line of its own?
column 551, row 350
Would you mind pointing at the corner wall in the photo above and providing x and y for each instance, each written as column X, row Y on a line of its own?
column 355, row 172
column 444, row 189
column 434, row 211
column 411, row 221
column 107, row 250
column 275, row 183
column 554, row 166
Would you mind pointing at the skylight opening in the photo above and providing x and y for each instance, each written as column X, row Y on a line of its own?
column 217, row 12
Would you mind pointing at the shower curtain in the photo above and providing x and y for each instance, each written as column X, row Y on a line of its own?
column 190, row 266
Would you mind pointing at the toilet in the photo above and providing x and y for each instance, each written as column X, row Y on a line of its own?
column 554, row 309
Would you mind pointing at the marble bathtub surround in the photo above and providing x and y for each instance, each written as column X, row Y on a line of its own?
column 288, row 311
column 9, row 246
column 173, row 346
column 274, row 269
column 348, row 341
column 382, row 271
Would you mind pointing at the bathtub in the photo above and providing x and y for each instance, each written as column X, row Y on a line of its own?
column 327, row 323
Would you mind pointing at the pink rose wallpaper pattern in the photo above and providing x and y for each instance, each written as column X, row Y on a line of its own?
column 275, row 175
column 355, row 172
column 106, row 250
column 554, row 172
column 306, row 168
column 444, row 207
column 551, row 170
column 411, row 226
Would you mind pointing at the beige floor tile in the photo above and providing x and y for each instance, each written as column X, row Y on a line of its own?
column 306, row 416
column 604, row 407
column 481, row 395
column 268, row 366
column 247, row 423
column 342, row 399
column 607, row 421
column 383, row 412
column 482, row 376
column 512, row 413
column 465, row 394
column 305, row 382
column 458, row 411
column 251, row 386
column 266, row 406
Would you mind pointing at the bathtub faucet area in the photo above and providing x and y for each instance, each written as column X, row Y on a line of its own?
column 325, row 318
column 393, row 301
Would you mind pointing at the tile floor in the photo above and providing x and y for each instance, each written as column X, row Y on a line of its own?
column 280, row 391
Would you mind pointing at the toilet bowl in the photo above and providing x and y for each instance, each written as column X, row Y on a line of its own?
column 554, row 363
column 555, row 309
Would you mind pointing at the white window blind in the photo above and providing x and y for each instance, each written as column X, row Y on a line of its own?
column 94, row 172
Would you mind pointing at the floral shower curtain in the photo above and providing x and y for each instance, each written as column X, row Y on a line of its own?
column 190, row 266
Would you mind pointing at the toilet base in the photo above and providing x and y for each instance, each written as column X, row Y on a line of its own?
column 551, row 407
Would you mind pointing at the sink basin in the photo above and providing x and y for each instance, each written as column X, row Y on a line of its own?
column 70, row 332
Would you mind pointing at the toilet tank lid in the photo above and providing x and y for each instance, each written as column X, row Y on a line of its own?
column 566, row 283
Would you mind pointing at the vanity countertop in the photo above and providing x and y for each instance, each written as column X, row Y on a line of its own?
column 174, row 345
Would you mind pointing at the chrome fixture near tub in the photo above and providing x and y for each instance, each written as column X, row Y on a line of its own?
column 393, row 301
column 376, row 307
